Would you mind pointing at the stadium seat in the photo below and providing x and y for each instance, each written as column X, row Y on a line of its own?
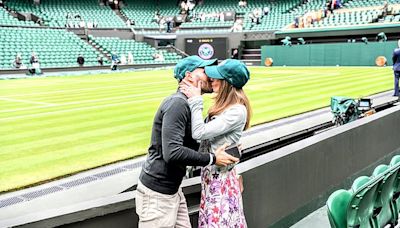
column 396, row 186
column 384, row 211
column 361, row 206
column 337, row 208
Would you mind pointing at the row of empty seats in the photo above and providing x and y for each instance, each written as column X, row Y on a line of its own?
column 350, row 18
column 370, row 202
column 363, row 3
column 7, row 19
column 54, row 47
column 141, row 51
column 59, row 13
column 143, row 13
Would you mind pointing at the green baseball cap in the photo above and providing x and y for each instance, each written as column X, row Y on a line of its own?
column 235, row 72
column 190, row 64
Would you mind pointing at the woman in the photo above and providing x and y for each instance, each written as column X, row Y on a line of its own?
column 221, row 199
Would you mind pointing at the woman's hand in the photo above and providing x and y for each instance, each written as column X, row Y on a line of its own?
column 190, row 90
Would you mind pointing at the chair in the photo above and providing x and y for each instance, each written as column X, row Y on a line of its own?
column 337, row 208
column 384, row 211
column 395, row 162
column 361, row 207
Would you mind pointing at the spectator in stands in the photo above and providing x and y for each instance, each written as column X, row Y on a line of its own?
column 80, row 60
column 266, row 10
column 222, row 17
column 237, row 26
column 35, row 64
column 170, row 152
column 116, row 4
column 130, row 58
column 82, row 24
column 158, row 57
column 203, row 17
column 170, row 22
column 396, row 69
column 90, row 24
column 227, row 119
column 385, row 8
column 114, row 61
column 100, row 60
column 329, row 6
column 297, row 21
column 157, row 17
column 242, row 3
column 257, row 12
column 235, row 54
column 1, row 3
column 184, row 7
column 17, row 64
column 161, row 24
column 123, row 59
column 190, row 4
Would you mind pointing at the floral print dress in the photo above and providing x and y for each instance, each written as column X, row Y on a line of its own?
column 221, row 199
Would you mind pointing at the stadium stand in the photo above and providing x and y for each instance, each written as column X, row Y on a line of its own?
column 363, row 3
column 141, row 51
column 276, row 18
column 7, row 19
column 350, row 18
column 54, row 47
column 59, row 13
column 371, row 201
column 143, row 14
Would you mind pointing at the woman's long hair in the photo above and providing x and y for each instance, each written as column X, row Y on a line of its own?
column 227, row 96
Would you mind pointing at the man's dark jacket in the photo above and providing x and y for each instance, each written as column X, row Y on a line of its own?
column 172, row 147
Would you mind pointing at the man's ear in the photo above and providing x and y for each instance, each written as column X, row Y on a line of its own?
column 188, row 75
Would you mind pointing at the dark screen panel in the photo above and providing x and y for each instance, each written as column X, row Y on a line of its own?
column 206, row 48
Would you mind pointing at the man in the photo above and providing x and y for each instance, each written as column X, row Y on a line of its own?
column 17, row 64
column 80, row 60
column 114, row 61
column 396, row 69
column 159, row 199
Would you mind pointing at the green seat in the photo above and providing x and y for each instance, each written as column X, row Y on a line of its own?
column 337, row 208
column 396, row 185
column 384, row 210
column 361, row 207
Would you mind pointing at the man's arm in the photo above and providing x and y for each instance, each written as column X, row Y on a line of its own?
column 173, row 132
column 395, row 56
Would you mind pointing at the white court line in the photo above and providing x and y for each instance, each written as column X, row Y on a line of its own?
column 77, row 109
column 85, row 101
column 26, row 101
column 88, row 89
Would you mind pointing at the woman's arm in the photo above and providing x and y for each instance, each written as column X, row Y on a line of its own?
column 233, row 117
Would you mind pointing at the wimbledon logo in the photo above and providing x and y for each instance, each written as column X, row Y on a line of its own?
column 206, row 51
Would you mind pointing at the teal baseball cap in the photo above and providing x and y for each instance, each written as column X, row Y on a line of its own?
column 235, row 72
column 190, row 64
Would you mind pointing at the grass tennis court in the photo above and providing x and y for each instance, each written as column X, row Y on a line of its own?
column 55, row 126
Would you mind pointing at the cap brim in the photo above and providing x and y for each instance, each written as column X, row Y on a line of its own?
column 212, row 72
column 208, row 62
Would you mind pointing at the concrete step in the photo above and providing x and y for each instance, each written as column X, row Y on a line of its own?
column 251, row 56
column 251, row 51
column 252, row 62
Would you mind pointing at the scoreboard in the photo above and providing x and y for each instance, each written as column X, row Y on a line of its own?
column 207, row 48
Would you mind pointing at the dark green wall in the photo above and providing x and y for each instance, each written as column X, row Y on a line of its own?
column 343, row 54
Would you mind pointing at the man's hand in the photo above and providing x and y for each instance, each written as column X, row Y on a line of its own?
column 223, row 158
